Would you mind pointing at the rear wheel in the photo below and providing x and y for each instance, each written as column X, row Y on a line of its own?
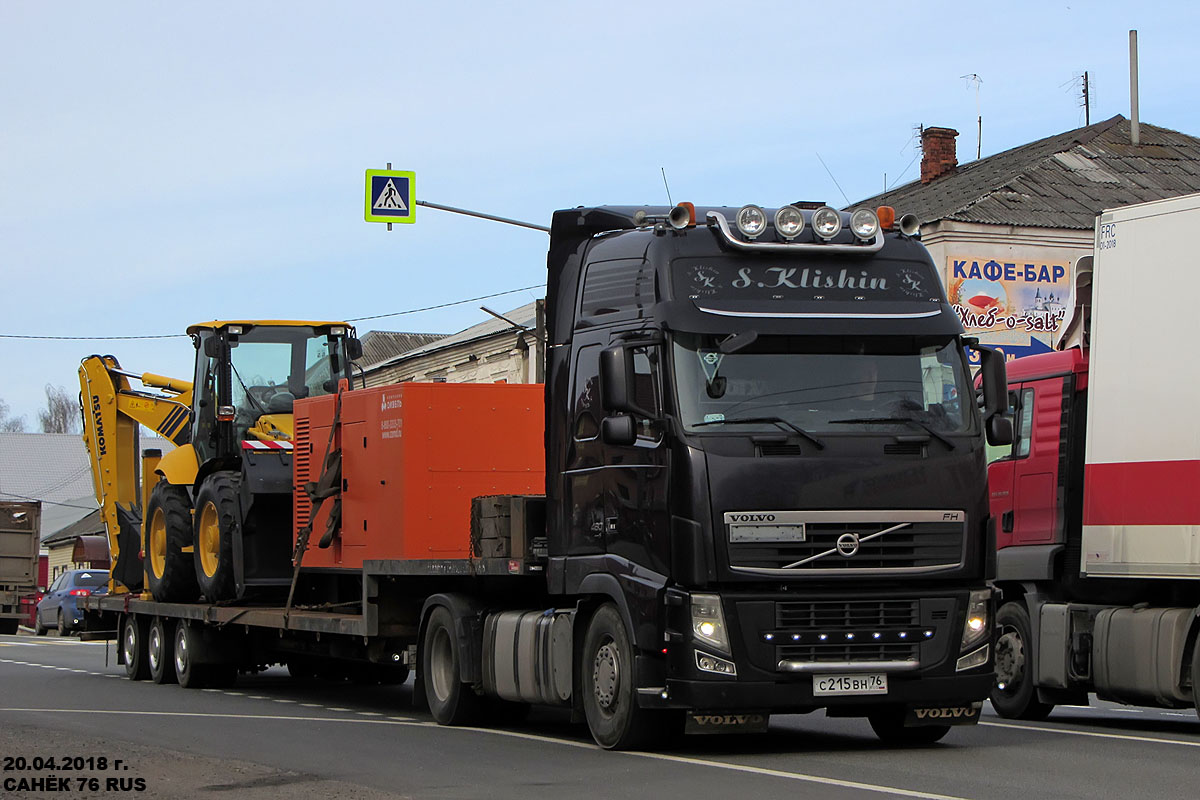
column 133, row 648
column 217, row 522
column 1015, row 695
column 1196, row 675
column 889, row 727
column 9, row 626
column 172, row 579
column 38, row 628
column 160, row 646
column 451, row 701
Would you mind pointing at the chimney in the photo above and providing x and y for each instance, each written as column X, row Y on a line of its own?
column 939, row 154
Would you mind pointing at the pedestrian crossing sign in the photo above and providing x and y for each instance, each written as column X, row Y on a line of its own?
column 391, row 196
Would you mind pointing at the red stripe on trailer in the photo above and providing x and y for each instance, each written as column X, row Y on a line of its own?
column 254, row 445
column 1142, row 493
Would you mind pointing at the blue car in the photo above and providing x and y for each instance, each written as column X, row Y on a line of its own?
column 60, row 607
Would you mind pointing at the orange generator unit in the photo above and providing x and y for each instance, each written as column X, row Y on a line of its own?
column 413, row 457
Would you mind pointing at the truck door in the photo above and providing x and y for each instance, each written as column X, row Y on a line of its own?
column 1001, row 470
column 1035, row 462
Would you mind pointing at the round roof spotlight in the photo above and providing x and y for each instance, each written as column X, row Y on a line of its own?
column 751, row 221
column 864, row 224
column 789, row 222
column 826, row 222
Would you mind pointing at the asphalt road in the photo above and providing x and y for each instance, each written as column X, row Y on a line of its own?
column 271, row 737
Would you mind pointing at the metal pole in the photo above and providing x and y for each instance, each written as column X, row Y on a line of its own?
column 389, row 166
column 481, row 215
column 1134, row 132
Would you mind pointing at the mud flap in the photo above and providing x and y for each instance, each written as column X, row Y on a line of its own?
column 967, row 714
column 128, row 569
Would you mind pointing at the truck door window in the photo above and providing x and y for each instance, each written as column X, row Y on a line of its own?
column 647, row 392
column 1024, row 426
column 586, row 394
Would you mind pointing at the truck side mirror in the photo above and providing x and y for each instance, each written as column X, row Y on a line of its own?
column 212, row 347
column 995, row 396
column 618, row 430
column 354, row 350
column 999, row 430
column 616, row 381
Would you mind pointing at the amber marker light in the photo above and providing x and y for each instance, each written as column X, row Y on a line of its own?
column 887, row 217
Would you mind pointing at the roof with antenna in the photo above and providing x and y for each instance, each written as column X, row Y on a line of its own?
column 1061, row 181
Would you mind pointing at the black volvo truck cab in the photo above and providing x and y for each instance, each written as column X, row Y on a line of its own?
column 764, row 445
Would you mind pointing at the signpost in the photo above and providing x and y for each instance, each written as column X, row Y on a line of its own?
column 391, row 196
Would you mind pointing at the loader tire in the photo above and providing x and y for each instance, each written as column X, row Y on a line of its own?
column 169, row 572
column 218, row 521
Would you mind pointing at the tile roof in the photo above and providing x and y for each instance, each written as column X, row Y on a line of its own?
column 1061, row 181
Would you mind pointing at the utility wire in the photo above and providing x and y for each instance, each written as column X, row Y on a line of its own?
column 352, row 319
column 47, row 502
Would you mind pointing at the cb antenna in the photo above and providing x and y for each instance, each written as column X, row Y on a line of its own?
column 670, row 202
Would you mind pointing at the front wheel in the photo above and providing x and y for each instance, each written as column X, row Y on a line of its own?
column 217, row 523
column 609, row 692
column 451, row 701
column 1015, row 696
column 1196, row 675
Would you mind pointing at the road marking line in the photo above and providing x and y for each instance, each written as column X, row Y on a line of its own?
column 283, row 700
column 373, row 714
column 256, row 697
column 1065, row 731
column 336, row 708
column 770, row 773
column 312, row 705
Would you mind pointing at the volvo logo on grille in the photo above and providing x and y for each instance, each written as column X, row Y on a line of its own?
column 847, row 544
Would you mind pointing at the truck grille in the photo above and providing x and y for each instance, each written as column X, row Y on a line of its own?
column 920, row 542
column 838, row 620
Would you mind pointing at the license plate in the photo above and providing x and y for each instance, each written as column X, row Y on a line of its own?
column 868, row 683
column 767, row 533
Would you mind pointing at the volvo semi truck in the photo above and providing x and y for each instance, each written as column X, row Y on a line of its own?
column 753, row 482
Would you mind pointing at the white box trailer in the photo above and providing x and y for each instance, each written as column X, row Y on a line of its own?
column 1098, row 504
column 1141, row 513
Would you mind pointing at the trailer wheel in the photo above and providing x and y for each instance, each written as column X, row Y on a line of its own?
column 9, row 626
column 169, row 571
column 609, row 694
column 1014, row 696
column 451, row 701
column 217, row 522
column 1196, row 676
column 160, row 651
column 133, row 648
column 188, row 645
column 889, row 727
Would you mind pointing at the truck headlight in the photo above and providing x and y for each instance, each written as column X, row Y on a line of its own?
column 976, row 627
column 708, row 621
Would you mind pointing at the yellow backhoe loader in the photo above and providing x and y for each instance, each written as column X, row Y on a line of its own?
column 212, row 517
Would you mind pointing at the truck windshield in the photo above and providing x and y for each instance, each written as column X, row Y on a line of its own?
column 273, row 366
column 822, row 384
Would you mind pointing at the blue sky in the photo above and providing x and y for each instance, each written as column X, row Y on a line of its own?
column 163, row 164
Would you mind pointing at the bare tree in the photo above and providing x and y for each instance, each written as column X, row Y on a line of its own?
column 62, row 412
column 10, row 424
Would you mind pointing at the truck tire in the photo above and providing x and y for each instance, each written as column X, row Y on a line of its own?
column 217, row 522
column 1014, row 696
column 9, row 626
column 451, row 701
column 133, row 647
column 160, row 651
column 169, row 571
column 609, row 692
column 1196, row 676
column 192, row 669
column 889, row 727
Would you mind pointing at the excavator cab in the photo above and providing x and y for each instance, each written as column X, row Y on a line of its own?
column 212, row 517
